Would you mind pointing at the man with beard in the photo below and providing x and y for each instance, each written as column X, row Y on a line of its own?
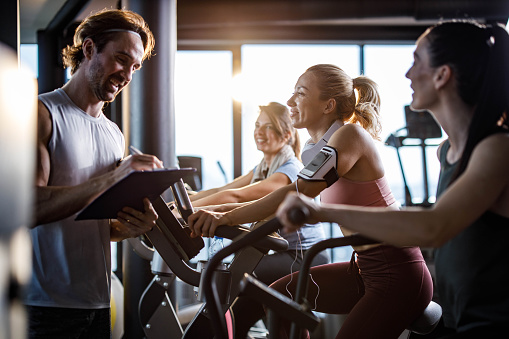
column 79, row 156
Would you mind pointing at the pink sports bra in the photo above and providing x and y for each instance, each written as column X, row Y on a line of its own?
column 359, row 193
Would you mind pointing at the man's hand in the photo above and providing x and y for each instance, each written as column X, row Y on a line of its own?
column 132, row 223
column 138, row 162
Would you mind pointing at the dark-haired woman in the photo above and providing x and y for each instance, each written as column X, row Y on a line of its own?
column 460, row 74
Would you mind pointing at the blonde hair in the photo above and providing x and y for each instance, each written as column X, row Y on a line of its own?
column 364, row 109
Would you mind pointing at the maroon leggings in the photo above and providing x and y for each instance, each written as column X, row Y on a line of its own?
column 382, row 294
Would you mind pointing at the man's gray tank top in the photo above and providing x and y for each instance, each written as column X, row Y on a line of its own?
column 72, row 259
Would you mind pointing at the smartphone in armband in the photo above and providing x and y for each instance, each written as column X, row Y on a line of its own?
column 322, row 167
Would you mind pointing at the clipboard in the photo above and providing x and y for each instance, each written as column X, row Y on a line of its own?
column 131, row 190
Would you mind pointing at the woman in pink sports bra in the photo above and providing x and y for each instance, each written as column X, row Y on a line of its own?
column 386, row 288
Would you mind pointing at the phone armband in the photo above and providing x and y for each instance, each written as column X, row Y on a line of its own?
column 323, row 167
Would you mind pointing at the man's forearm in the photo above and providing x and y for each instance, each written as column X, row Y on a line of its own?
column 55, row 203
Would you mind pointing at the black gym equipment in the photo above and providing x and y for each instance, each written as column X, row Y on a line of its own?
column 194, row 180
column 172, row 249
column 420, row 126
column 297, row 311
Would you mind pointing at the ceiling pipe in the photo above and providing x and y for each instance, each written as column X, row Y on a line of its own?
column 66, row 15
column 49, row 41
column 196, row 13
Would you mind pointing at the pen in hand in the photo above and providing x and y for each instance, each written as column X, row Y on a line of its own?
column 134, row 150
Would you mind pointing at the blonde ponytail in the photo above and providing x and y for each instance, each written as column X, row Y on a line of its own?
column 367, row 108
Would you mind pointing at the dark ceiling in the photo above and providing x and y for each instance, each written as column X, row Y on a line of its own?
column 209, row 22
column 325, row 20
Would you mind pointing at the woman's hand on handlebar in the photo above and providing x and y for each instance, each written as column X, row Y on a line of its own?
column 293, row 202
column 204, row 223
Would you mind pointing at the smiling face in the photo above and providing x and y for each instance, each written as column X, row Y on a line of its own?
column 421, row 76
column 306, row 106
column 266, row 137
column 112, row 69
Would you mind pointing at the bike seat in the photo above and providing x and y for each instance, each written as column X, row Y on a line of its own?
column 427, row 322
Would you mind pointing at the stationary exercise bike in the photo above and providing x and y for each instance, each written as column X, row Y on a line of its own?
column 297, row 311
column 172, row 249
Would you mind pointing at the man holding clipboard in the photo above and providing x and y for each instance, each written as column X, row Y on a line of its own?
column 78, row 151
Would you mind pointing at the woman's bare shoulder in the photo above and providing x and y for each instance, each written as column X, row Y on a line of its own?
column 489, row 157
column 495, row 143
column 351, row 133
